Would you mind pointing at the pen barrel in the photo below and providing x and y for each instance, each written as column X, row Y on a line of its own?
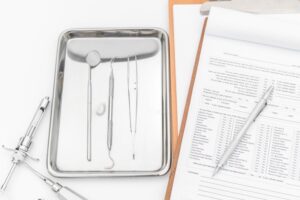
column 235, row 142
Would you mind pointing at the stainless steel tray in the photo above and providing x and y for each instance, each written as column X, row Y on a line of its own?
column 67, row 145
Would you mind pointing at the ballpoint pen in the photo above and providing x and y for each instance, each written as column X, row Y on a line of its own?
column 20, row 153
column 250, row 120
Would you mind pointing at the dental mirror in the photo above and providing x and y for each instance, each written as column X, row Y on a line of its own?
column 93, row 59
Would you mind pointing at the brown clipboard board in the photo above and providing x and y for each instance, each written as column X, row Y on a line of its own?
column 177, row 139
column 174, row 120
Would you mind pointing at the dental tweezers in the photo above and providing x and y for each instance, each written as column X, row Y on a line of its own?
column 132, row 87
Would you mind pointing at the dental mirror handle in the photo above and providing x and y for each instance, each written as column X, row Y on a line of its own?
column 89, row 116
column 93, row 59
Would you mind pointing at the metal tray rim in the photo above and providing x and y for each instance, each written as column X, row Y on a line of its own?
column 167, row 162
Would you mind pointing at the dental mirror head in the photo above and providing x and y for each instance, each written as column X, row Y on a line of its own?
column 93, row 58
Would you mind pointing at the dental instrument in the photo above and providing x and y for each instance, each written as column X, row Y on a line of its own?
column 110, row 115
column 63, row 192
column 92, row 59
column 132, row 86
column 20, row 153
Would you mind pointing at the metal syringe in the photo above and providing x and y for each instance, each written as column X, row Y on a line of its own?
column 20, row 153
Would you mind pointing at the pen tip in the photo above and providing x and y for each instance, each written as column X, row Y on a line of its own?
column 3, row 187
column 215, row 172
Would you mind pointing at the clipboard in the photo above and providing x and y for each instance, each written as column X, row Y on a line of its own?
column 178, row 139
column 252, row 6
column 175, row 127
column 178, row 132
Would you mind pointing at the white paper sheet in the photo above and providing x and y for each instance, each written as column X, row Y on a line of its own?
column 188, row 23
column 263, row 30
column 232, row 75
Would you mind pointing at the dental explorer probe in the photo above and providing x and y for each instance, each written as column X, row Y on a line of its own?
column 110, row 115
column 63, row 193
column 132, row 87
column 20, row 153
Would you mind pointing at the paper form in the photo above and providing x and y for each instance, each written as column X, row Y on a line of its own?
column 188, row 23
column 235, row 69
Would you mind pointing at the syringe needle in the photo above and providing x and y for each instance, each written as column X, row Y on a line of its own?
column 12, row 169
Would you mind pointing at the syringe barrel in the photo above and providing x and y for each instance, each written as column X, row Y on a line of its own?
column 37, row 117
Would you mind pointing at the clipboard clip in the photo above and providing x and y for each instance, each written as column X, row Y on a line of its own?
column 254, row 6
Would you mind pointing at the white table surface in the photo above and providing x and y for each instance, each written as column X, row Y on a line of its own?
column 28, row 41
